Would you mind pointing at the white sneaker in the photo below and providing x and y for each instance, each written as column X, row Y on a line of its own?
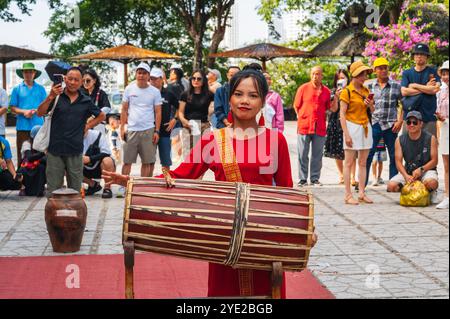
column 443, row 204
column 434, row 198
column 375, row 183
column 121, row 192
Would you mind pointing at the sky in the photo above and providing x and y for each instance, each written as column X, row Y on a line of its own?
column 30, row 31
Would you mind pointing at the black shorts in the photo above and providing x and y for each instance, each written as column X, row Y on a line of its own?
column 93, row 173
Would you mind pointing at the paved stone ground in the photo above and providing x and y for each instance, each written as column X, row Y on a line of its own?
column 371, row 251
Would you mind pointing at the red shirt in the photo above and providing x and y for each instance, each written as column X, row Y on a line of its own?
column 311, row 106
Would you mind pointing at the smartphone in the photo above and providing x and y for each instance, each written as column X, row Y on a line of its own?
column 59, row 78
column 371, row 96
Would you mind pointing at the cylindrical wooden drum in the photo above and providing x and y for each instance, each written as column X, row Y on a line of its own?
column 236, row 224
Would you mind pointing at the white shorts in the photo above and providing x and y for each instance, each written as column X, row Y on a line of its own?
column 399, row 179
column 443, row 143
column 360, row 140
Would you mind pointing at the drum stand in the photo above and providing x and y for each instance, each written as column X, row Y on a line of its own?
column 129, row 252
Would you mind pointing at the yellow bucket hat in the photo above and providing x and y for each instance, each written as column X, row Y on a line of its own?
column 357, row 67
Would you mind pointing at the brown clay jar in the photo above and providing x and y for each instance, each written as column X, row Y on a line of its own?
column 65, row 216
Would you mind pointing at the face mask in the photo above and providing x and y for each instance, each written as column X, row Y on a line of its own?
column 342, row 83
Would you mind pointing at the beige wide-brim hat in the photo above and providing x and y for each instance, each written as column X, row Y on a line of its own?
column 443, row 67
column 358, row 67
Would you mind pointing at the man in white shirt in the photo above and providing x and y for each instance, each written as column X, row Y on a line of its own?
column 96, row 158
column 140, row 123
column 3, row 111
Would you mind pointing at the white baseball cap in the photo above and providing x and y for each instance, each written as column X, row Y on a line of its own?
column 156, row 73
column 217, row 74
column 176, row 66
column 445, row 66
column 143, row 66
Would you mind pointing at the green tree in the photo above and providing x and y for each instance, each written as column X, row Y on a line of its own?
column 197, row 15
column 105, row 24
column 22, row 5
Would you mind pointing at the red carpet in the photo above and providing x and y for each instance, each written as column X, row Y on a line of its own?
column 102, row 277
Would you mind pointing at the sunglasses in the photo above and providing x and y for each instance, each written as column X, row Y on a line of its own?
column 409, row 123
column 197, row 79
column 87, row 81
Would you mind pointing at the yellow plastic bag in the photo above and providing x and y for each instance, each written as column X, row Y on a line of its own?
column 415, row 195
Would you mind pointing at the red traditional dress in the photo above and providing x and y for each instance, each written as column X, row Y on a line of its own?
column 262, row 160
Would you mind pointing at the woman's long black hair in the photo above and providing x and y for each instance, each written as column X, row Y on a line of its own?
column 94, row 75
column 180, row 74
column 336, row 77
column 204, row 89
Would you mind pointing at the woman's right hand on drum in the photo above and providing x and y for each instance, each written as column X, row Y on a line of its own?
column 114, row 179
column 348, row 140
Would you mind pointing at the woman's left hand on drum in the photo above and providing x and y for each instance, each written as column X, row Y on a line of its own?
column 114, row 179
column 315, row 237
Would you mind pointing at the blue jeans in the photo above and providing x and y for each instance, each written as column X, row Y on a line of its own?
column 389, row 139
column 165, row 151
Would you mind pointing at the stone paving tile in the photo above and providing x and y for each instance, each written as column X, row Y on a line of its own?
column 441, row 216
column 333, row 265
column 10, row 215
column 386, row 217
column 359, row 247
column 391, row 230
column 325, row 247
column 29, row 236
column 417, row 244
column 354, row 287
column 36, row 215
column 427, row 229
column 432, row 262
column 23, row 249
column 32, row 225
column 84, row 250
column 110, row 249
column 442, row 276
column 384, row 263
column 411, row 285
column 5, row 225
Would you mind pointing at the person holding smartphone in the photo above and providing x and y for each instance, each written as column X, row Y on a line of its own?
column 334, row 145
column 357, row 129
column 387, row 120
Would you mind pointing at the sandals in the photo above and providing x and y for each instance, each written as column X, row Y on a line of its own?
column 107, row 193
column 349, row 200
column 365, row 200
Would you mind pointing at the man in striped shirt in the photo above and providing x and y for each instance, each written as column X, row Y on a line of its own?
column 387, row 120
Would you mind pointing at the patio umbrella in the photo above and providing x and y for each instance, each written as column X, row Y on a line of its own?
column 263, row 52
column 9, row 53
column 125, row 54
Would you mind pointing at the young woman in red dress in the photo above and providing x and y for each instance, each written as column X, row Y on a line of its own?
column 244, row 152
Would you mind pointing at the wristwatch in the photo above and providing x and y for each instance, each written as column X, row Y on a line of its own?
column 157, row 132
column 422, row 169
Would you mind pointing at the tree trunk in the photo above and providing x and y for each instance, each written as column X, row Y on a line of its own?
column 215, row 42
column 222, row 17
column 198, row 52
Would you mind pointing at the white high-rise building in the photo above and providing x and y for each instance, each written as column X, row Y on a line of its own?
column 231, row 40
column 289, row 26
